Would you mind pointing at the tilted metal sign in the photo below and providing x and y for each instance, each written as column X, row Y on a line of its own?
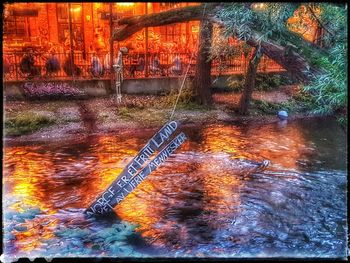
column 129, row 178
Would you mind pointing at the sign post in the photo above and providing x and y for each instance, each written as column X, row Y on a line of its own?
column 129, row 177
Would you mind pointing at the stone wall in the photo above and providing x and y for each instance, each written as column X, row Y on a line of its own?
column 102, row 87
column 97, row 88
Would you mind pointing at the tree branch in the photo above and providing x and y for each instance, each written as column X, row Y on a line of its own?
column 136, row 23
column 298, row 65
column 318, row 20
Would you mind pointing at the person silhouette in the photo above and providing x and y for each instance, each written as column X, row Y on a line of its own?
column 177, row 65
column 155, row 66
column 96, row 66
column 70, row 68
column 52, row 64
column 139, row 67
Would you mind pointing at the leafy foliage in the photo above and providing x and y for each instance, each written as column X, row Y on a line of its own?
column 185, row 97
column 263, row 82
column 269, row 21
column 330, row 89
column 244, row 20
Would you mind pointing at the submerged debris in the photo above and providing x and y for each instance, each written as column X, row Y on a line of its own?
column 66, row 240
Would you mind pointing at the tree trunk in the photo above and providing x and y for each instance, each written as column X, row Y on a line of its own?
column 202, row 79
column 249, row 83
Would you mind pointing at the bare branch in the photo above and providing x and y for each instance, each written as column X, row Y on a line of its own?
column 319, row 21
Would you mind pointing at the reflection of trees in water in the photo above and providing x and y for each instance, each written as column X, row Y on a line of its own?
column 87, row 116
column 329, row 142
column 300, row 144
column 188, row 216
column 168, row 206
column 57, row 178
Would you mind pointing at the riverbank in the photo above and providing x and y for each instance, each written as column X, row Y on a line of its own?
column 47, row 120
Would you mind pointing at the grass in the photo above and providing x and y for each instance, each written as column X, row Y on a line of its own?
column 146, row 117
column 271, row 108
column 156, row 113
column 292, row 106
column 185, row 101
column 26, row 118
column 25, row 123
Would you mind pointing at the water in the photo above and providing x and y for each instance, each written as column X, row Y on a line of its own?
column 196, row 204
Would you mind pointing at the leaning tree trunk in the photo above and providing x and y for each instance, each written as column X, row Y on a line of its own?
column 297, row 63
column 249, row 82
column 202, row 79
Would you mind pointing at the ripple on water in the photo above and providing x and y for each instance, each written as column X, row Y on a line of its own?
column 199, row 202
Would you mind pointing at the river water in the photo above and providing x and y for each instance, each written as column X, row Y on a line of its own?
column 197, row 204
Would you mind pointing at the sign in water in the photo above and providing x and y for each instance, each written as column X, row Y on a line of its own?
column 130, row 178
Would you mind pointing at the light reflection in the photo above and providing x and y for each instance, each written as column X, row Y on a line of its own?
column 218, row 192
column 27, row 170
column 125, row 4
column 224, row 139
column 281, row 145
column 302, row 22
column 195, row 193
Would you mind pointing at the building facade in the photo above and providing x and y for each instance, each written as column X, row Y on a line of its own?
column 75, row 39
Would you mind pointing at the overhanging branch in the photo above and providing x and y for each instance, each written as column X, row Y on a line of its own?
column 136, row 23
column 298, row 65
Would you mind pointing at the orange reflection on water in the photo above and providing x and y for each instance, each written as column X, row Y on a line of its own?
column 112, row 156
column 38, row 230
column 148, row 205
column 26, row 173
column 139, row 208
column 222, row 189
column 222, row 181
column 199, row 184
column 281, row 143
column 220, row 138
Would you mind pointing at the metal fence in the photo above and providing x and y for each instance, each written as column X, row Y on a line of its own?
column 136, row 65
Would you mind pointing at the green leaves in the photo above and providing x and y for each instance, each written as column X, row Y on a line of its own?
column 269, row 22
column 238, row 19
column 330, row 89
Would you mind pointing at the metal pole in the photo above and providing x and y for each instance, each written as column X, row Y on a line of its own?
column 71, row 39
column 111, row 42
column 187, row 32
column 146, row 45
column 16, row 65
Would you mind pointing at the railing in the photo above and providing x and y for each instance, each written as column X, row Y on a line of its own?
column 135, row 66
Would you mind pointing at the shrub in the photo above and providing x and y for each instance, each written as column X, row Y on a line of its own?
column 185, row 98
column 263, row 82
column 273, row 108
column 236, row 83
column 50, row 90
